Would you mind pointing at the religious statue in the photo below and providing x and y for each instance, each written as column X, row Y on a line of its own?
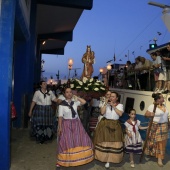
column 88, row 59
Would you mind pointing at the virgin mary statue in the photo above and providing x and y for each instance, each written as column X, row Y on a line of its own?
column 88, row 59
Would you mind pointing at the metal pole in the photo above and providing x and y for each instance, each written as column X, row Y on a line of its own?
column 108, row 78
column 135, row 80
column 149, row 80
column 147, row 135
column 69, row 74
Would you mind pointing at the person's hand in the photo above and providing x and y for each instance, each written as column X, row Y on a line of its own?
column 59, row 131
column 152, row 114
column 129, row 134
column 30, row 114
column 75, row 97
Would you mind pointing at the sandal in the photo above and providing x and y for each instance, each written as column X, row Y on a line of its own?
column 160, row 164
column 132, row 164
column 57, row 165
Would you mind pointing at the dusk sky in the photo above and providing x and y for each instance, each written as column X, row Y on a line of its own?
column 111, row 26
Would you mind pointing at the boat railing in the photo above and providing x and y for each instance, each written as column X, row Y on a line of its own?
column 134, row 75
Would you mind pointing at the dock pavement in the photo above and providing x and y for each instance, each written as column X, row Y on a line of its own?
column 26, row 154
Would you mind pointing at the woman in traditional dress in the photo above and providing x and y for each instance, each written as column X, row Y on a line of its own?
column 103, row 100
column 133, row 140
column 158, row 135
column 74, row 145
column 108, row 137
column 41, row 113
column 88, row 60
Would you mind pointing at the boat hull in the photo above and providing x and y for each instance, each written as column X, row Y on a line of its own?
column 140, row 101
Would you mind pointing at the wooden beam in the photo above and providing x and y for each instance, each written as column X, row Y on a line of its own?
column 59, row 51
column 64, row 36
column 81, row 4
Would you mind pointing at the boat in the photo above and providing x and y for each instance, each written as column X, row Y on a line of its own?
column 140, row 101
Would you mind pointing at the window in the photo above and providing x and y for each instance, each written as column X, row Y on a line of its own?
column 129, row 104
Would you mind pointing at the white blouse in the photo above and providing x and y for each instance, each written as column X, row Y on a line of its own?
column 111, row 114
column 39, row 98
column 65, row 111
column 160, row 116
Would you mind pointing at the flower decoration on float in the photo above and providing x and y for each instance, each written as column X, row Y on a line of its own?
column 87, row 85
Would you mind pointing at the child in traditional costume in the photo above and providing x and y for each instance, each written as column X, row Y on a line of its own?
column 133, row 140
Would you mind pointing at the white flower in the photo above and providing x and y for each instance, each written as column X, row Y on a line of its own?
column 89, row 84
column 91, row 80
column 86, row 88
column 85, row 79
column 72, row 86
column 78, row 87
column 96, row 89
column 97, row 84
column 80, row 83
column 102, row 88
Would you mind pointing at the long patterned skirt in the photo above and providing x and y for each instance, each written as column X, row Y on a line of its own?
column 108, row 141
column 42, row 122
column 74, row 145
column 157, row 140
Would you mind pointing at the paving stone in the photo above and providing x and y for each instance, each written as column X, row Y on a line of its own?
column 26, row 154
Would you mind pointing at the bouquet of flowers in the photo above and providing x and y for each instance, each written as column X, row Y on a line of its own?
column 87, row 85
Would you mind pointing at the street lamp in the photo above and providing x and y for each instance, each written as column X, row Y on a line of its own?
column 109, row 67
column 70, row 65
column 101, row 71
column 51, row 81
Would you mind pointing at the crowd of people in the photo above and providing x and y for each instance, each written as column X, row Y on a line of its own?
column 145, row 74
column 110, row 140
column 66, row 115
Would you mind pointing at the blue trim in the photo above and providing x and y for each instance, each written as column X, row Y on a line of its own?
column 6, row 51
column 21, row 22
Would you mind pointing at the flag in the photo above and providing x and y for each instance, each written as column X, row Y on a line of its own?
column 114, row 57
column 109, row 61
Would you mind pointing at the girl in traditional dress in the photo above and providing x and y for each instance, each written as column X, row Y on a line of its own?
column 41, row 113
column 108, row 137
column 74, row 145
column 133, row 140
column 158, row 135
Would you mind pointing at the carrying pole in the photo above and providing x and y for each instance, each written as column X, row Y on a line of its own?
column 148, row 131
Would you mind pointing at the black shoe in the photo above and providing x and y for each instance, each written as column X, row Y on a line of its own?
column 165, row 92
column 41, row 142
